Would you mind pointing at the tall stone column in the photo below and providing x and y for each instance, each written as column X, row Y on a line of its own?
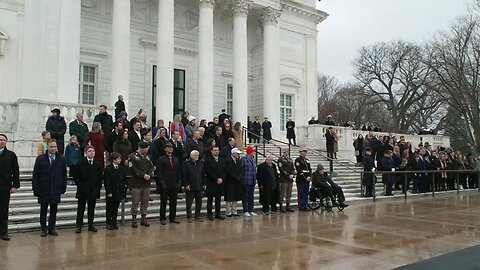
column 69, row 51
column 271, row 69
column 312, row 76
column 120, row 51
column 165, row 53
column 205, row 59
column 240, row 61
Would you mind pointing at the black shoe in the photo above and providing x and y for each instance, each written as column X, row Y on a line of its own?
column 54, row 233
column 174, row 221
column 229, row 215
column 44, row 234
column 219, row 217
column 5, row 237
column 211, row 218
column 343, row 205
column 290, row 210
column 163, row 222
column 335, row 204
column 236, row 215
column 92, row 229
column 110, row 227
column 115, row 226
column 78, row 230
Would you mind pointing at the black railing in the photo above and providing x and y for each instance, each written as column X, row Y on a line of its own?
column 408, row 174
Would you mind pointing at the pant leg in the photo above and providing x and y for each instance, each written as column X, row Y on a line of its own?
column 228, row 210
column 218, row 203
column 144, row 199
column 109, row 206
column 52, row 219
column 115, row 205
column 283, row 192
column 136, row 193
column 274, row 200
column 339, row 192
column 91, row 211
column 209, row 205
column 189, row 198
column 164, row 197
column 172, row 198
column 4, row 204
column 234, row 208
column 245, row 198
column 198, row 203
column 80, row 212
column 303, row 194
column 251, row 198
column 43, row 216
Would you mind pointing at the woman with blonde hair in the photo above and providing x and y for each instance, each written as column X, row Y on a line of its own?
column 238, row 135
column 96, row 139
column 176, row 125
column 42, row 145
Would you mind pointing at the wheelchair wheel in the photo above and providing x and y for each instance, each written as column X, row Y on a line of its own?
column 327, row 204
column 314, row 205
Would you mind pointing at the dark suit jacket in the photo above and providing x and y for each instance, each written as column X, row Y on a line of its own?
column 233, row 180
column 88, row 179
column 264, row 179
column 134, row 139
column 193, row 175
column 115, row 181
column 9, row 170
column 49, row 181
column 215, row 170
column 168, row 177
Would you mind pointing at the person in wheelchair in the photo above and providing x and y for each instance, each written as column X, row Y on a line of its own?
column 323, row 182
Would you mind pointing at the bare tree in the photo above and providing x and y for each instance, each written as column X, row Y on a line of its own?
column 394, row 75
column 327, row 87
column 455, row 61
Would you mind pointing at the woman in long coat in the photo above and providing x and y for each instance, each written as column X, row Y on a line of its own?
column 96, row 139
column 238, row 135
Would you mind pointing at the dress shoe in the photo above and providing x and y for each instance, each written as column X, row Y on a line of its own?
column 211, row 218
column 219, row 217
column 163, row 222
column 5, row 237
column 343, row 205
column 228, row 215
column 92, row 229
column 198, row 219
column 115, row 226
column 174, row 221
column 78, row 230
column 236, row 215
column 189, row 220
column 44, row 234
column 110, row 227
column 290, row 210
column 54, row 233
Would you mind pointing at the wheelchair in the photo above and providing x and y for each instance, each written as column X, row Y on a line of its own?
column 317, row 199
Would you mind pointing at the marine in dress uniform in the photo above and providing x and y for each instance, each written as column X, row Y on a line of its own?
column 304, row 175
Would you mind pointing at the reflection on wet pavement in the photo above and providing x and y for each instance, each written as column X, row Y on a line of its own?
column 368, row 235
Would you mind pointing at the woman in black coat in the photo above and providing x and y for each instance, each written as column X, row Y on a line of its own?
column 233, row 183
column 115, row 182
column 88, row 178
column 49, row 182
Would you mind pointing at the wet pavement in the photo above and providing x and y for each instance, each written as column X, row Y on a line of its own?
column 368, row 235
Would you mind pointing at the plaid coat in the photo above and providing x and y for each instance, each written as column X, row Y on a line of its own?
column 249, row 170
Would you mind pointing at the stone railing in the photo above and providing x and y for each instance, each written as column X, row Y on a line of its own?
column 313, row 136
column 24, row 120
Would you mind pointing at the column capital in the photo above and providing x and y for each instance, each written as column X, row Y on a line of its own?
column 241, row 7
column 270, row 15
column 206, row 3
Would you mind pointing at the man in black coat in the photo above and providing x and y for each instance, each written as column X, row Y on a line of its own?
column 222, row 117
column 368, row 179
column 177, row 144
column 135, row 136
column 267, row 126
column 193, row 178
column 387, row 178
column 233, row 182
column 195, row 143
column 267, row 179
column 168, row 170
column 9, row 182
column 215, row 169
column 49, row 182
column 291, row 131
column 104, row 119
column 119, row 106
column 57, row 127
column 225, row 152
column 330, row 141
column 218, row 137
column 322, row 181
column 113, row 136
column 115, row 182
column 88, row 178
column 256, row 130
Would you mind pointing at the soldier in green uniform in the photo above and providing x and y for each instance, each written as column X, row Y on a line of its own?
column 304, row 176
column 141, row 168
column 287, row 172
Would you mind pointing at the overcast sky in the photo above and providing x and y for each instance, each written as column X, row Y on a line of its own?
column 355, row 23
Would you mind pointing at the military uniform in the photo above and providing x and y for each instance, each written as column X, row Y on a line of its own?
column 140, row 165
column 285, row 165
column 304, row 173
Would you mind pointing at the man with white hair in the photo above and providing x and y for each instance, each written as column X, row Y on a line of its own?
column 78, row 128
column 267, row 179
column 233, row 182
column 194, row 182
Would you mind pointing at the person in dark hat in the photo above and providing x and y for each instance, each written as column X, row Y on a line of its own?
column 168, row 182
column 57, row 127
column 141, row 168
column 222, row 117
column 368, row 179
column 304, row 176
column 322, row 181
column 256, row 130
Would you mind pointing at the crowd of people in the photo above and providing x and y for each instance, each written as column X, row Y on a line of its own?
column 126, row 156
column 391, row 154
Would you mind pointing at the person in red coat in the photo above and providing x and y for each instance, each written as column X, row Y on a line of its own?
column 96, row 139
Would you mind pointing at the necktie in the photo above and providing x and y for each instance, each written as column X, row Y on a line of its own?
column 116, row 167
column 171, row 162
column 91, row 162
column 52, row 159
